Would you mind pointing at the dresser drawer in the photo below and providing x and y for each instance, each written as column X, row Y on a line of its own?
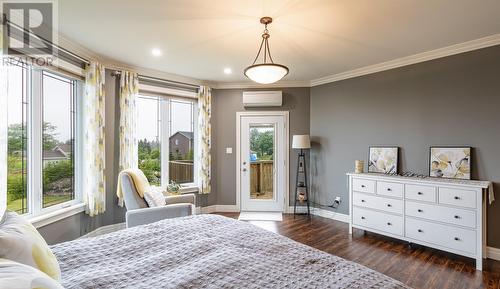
column 379, row 221
column 438, row 213
column 362, row 185
column 420, row 193
column 378, row 203
column 390, row 189
column 442, row 235
column 457, row 197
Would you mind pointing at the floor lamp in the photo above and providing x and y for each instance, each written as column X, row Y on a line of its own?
column 301, row 142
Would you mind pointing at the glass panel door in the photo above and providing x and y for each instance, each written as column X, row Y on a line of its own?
column 262, row 143
column 262, row 162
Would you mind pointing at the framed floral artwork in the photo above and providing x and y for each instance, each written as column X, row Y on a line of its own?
column 383, row 160
column 450, row 162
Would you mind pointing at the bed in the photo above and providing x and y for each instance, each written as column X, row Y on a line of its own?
column 206, row 251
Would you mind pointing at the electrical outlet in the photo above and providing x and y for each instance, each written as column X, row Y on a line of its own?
column 336, row 203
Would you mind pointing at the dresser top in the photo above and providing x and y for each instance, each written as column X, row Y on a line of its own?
column 472, row 183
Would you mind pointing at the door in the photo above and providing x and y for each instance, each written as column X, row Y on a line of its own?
column 262, row 162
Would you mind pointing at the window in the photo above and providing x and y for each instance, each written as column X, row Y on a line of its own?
column 175, row 136
column 148, row 134
column 41, row 140
column 57, row 139
column 17, row 149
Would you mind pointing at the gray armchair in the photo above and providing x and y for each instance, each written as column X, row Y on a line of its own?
column 138, row 212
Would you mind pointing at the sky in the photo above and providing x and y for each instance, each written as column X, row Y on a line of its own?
column 148, row 114
column 56, row 102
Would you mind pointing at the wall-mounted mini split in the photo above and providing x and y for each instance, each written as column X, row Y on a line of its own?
column 336, row 202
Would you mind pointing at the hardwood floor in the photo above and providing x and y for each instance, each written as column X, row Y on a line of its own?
column 416, row 266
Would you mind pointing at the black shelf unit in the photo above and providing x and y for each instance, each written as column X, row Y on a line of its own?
column 301, row 182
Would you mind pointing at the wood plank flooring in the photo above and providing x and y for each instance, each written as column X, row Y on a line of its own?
column 417, row 266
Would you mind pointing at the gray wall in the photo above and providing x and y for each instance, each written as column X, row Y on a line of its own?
column 226, row 103
column 448, row 101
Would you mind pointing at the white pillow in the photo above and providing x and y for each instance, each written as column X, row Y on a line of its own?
column 154, row 196
column 21, row 242
column 15, row 275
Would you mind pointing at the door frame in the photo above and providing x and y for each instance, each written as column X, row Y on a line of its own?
column 286, row 116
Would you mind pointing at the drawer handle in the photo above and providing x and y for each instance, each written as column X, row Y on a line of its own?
column 362, row 218
column 420, row 193
column 362, row 186
column 389, row 205
column 457, row 198
column 389, row 189
column 420, row 210
column 457, row 217
column 362, row 201
column 389, row 224
column 457, row 239
column 420, row 231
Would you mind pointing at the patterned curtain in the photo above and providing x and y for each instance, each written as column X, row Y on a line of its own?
column 204, row 134
column 94, row 182
column 129, row 88
column 3, row 137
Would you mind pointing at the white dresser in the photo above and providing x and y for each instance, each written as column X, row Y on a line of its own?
column 445, row 214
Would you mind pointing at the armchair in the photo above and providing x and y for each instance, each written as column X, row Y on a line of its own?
column 138, row 211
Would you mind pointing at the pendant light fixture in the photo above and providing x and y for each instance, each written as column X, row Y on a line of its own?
column 266, row 72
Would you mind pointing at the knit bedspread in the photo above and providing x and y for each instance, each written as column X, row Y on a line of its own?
column 206, row 251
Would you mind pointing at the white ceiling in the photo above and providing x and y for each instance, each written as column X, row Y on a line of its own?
column 314, row 38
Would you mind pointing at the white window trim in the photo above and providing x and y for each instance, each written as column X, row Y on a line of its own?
column 56, row 215
column 38, row 215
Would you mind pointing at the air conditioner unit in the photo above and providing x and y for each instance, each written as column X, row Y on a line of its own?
column 262, row 98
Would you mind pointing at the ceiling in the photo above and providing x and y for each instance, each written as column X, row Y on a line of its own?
column 314, row 38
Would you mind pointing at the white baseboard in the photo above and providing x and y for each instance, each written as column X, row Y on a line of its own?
column 315, row 211
column 493, row 253
column 104, row 230
column 322, row 213
column 217, row 208
column 227, row 208
column 205, row 210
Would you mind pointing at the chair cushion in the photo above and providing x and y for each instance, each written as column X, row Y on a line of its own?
column 21, row 242
column 14, row 275
column 154, row 196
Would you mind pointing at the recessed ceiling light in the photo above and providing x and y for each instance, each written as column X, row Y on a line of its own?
column 156, row 52
column 228, row 70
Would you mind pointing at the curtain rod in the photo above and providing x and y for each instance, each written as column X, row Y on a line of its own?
column 86, row 61
column 144, row 77
column 47, row 42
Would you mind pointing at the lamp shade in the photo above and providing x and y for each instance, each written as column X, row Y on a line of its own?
column 266, row 73
column 301, row 141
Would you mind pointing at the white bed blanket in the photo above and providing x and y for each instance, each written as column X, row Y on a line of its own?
column 206, row 251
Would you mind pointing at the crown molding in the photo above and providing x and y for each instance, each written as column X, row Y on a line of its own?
column 109, row 63
column 249, row 84
column 412, row 59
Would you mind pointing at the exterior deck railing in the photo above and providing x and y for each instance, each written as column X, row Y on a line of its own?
column 261, row 177
column 181, row 171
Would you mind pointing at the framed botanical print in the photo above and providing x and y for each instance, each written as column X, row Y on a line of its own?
column 383, row 160
column 450, row 162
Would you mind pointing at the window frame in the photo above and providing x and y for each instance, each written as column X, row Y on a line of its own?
column 165, row 96
column 34, row 134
